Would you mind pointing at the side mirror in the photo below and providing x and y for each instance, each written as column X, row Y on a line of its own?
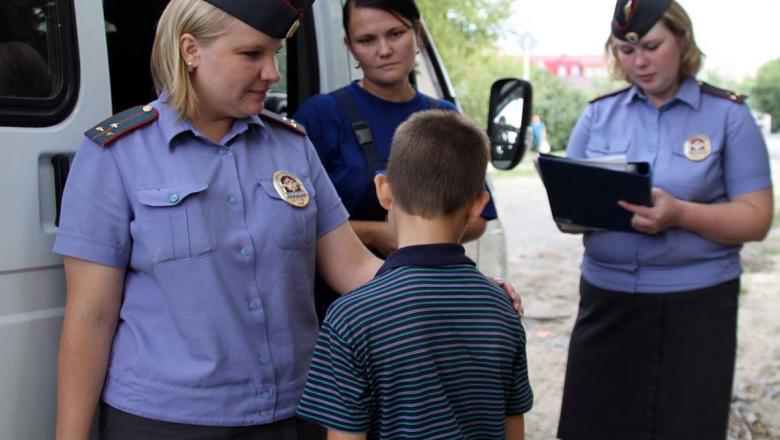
column 509, row 119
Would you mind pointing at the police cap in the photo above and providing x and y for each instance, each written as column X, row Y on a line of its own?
column 633, row 18
column 275, row 18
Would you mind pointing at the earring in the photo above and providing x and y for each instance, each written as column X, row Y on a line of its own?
column 357, row 64
column 190, row 67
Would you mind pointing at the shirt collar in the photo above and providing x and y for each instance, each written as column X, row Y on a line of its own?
column 172, row 127
column 689, row 93
column 440, row 254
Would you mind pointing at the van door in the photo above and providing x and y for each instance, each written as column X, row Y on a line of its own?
column 53, row 84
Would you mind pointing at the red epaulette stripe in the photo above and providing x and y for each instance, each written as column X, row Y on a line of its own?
column 142, row 116
column 129, row 128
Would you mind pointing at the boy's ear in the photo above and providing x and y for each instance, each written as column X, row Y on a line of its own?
column 478, row 205
column 383, row 192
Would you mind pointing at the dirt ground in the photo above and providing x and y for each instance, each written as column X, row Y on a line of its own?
column 544, row 267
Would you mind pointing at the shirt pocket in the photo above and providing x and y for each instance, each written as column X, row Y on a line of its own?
column 174, row 222
column 290, row 226
column 695, row 180
column 600, row 145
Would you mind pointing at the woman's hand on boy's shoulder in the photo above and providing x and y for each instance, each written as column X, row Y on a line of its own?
column 517, row 301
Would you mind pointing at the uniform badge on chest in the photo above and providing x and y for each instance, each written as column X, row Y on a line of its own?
column 697, row 147
column 291, row 189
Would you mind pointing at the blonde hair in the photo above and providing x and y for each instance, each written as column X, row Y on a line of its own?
column 169, row 70
column 679, row 23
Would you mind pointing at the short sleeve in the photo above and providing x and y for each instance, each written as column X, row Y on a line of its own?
column 330, row 211
column 746, row 160
column 520, row 398
column 336, row 394
column 580, row 136
column 446, row 105
column 318, row 116
column 95, row 214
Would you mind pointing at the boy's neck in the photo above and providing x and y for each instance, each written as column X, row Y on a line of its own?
column 413, row 230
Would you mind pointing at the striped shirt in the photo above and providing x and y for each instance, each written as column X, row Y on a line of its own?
column 429, row 349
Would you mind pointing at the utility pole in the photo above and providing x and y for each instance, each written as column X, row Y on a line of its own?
column 527, row 42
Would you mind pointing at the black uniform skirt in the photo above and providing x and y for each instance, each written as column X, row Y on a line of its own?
column 651, row 366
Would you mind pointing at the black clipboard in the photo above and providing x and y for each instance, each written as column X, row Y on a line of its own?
column 583, row 195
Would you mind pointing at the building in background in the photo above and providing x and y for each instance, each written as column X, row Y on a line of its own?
column 580, row 71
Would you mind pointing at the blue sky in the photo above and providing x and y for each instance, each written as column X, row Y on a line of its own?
column 736, row 36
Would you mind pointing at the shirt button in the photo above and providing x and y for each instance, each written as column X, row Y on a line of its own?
column 254, row 305
column 222, row 151
column 264, row 360
column 173, row 198
column 233, row 200
column 265, row 395
column 264, row 414
column 245, row 252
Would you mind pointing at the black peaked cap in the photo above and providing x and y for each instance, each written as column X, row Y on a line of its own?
column 633, row 18
column 276, row 18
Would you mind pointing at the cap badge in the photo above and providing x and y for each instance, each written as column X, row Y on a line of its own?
column 627, row 8
column 291, row 189
column 698, row 148
column 632, row 37
column 293, row 27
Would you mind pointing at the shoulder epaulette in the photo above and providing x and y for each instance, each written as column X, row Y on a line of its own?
column 722, row 93
column 608, row 94
column 277, row 119
column 120, row 124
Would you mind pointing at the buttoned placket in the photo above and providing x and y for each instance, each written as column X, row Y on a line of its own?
column 265, row 374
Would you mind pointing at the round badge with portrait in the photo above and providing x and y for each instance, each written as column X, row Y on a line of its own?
column 291, row 189
column 697, row 148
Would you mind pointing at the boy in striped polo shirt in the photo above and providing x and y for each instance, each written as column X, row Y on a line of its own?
column 430, row 349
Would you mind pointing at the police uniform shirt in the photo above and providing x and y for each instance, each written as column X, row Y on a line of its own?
column 217, row 323
column 737, row 163
column 331, row 132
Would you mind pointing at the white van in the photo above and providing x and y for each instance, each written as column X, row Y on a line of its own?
column 62, row 65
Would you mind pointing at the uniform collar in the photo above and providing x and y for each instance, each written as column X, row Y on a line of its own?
column 689, row 93
column 441, row 254
column 172, row 127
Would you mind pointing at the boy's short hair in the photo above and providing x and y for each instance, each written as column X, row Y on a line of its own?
column 437, row 163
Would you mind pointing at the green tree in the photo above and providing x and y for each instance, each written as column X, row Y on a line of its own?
column 467, row 34
column 558, row 104
column 765, row 93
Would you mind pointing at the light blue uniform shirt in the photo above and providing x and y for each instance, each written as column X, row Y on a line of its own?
column 217, row 323
column 628, row 123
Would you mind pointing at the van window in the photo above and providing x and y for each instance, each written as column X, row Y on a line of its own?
column 38, row 62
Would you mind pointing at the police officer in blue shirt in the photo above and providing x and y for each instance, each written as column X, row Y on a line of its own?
column 652, row 351
column 190, row 229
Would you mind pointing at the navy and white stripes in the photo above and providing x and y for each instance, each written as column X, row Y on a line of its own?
column 420, row 352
